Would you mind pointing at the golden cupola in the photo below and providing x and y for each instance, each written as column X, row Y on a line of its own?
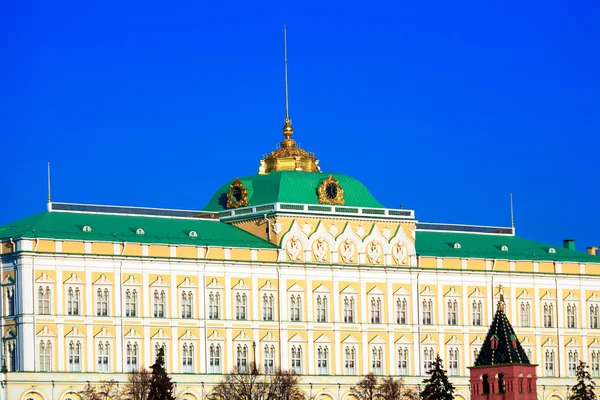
column 288, row 157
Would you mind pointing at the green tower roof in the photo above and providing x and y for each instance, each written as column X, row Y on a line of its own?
column 501, row 345
column 293, row 187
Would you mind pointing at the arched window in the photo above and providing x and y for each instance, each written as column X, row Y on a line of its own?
column 452, row 312
column 102, row 302
column 242, row 358
column 187, row 359
column 477, row 312
column 215, row 359
column 131, row 300
column 403, row 361
column 241, row 303
column 548, row 315
column 295, row 307
column 595, row 363
column 550, row 359
column 377, row 360
column 453, row 366
column 103, row 356
column 321, row 309
column 73, row 298
column 45, row 356
column 594, row 316
column 214, row 305
column 428, row 355
column 322, row 360
column 573, row 358
column 160, row 306
column 268, row 307
column 74, row 356
column 297, row 359
column 571, row 316
column 132, row 356
column 525, row 314
column 350, row 360
column 485, row 384
column 349, row 309
column 427, row 312
column 401, row 311
column 186, row 304
column 375, row 310
column 44, row 295
column 269, row 359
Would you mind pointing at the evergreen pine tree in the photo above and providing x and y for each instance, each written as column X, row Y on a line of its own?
column 161, row 387
column 584, row 389
column 437, row 386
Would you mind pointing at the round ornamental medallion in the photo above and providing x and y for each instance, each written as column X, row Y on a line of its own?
column 237, row 196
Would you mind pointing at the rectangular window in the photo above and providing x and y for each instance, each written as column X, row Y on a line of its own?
column 548, row 315
column 573, row 359
column 102, row 302
column 269, row 360
column 131, row 301
column 376, row 310
column 427, row 312
column 9, row 293
column 525, row 314
column 132, row 356
column 452, row 312
column 377, row 360
column 594, row 316
column 453, row 361
column 477, row 312
column 595, row 363
column 268, row 307
column 571, row 315
column 241, row 304
column 73, row 299
column 349, row 309
column 44, row 295
column 45, row 363
column 321, row 308
column 186, row 304
column 160, row 303
column 550, row 359
column 428, row 356
column 242, row 358
column 74, row 356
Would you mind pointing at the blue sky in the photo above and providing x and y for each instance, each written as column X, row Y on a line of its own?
column 443, row 107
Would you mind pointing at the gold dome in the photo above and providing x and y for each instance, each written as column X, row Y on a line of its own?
column 288, row 157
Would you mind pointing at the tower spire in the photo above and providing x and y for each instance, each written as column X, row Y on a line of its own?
column 49, row 201
column 288, row 131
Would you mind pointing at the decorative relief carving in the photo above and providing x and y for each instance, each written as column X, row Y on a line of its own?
column 333, row 229
column 387, row 232
column 347, row 251
column 399, row 253
column 294, row 248
column 320, row 249
column 306, row 228
column 374, row 252
column 277, row 227
column 330, row 192
column 360, row 231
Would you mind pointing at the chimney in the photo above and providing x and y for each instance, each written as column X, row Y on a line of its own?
column 593, row 250
column 569, row 244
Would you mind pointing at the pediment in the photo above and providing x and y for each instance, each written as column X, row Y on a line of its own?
column 527, row 342
column 427, row 292
column 428, row 340
column 524, row 295
column 104, row 334
column 375, row 292
column 550, row 342
column 188, row 335
column 75, row 333
column 476, row 293
column 401, row 292
column 160, row 335
column 45, row 332
column 573, row 343
column 403, row 340
column 548, row 296
column 571, row 297
column 323, row 339
column 132, row 334
column 295, row 288
column 269, row 337
column 44, row 278
column 377, row 340
column 595, row 343
column 268, row 286
column 321, row 289
column 73, row 280
column 349, row 290
column 214, row 284
column 159, row 282
column 594, row 297
column 477, row 341
column 103, row 280
column 9, row 280
column 241, row 286
column 242, row 337
column 297, row 339
column 454, row 341
column 9, row 334
column 350, row 340
column 215, row 336
column 131, row 281
column 187, row 284
column 452, row 293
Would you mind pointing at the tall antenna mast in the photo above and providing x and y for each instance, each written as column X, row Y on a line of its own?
column 285, row 70
column 49, row 182
column 512, row 214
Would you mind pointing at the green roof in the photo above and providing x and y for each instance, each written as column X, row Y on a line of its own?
column 122, row 228
column 294, row 187
column 441, row 244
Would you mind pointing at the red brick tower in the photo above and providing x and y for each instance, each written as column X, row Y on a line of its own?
column 502, row 370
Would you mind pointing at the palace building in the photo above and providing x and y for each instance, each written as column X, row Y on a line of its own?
column 292, row 267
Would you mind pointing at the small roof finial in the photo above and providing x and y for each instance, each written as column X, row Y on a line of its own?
column 501, row 295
